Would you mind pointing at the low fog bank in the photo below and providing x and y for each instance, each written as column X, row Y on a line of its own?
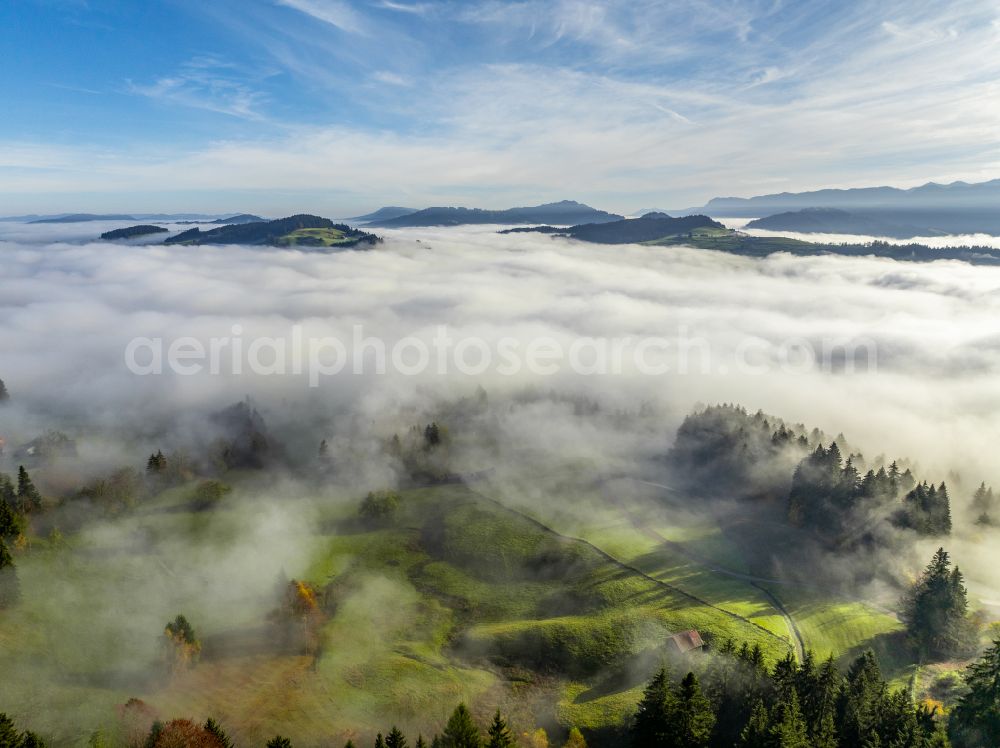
column 70, row 311
column 940, row 242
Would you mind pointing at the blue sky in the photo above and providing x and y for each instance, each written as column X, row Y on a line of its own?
column 335, row 106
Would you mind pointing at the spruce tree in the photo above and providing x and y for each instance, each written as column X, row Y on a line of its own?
column 498, row 735
column 788, row 728
column 860, row 704
column 461, row 731
column 11, row 523
column 215, row 729
column 9, row 736
column 395, row 738
column 156, row 463
column 8, row 494
column 975, row 720
column 279, row 741
column 692, row 717
column 4, row 394
column 379, row 741
column 935, row 610
column 28, row 497
column 651, row 725
column 757, row 731
column 821, row 705
column 31, row 740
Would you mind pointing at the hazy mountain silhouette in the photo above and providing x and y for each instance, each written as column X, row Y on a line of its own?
column 386, row 213
column 566, row 213
column 836, row 221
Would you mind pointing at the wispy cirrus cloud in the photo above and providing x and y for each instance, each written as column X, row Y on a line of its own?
column 540, row 101
column 332, row 12
column 416, row 8
column 206, row 83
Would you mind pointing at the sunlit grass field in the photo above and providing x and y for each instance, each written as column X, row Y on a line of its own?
column 457, row 598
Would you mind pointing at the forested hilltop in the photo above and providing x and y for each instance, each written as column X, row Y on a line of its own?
column 295, row 231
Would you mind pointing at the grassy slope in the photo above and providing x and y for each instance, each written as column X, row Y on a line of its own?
column 418, row 619
column 421, row 621
column 314, row 238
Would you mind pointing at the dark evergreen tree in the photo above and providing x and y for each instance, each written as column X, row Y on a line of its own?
column 31, row 740
column 936, row 611
column 975, row 720
column 9, row 735
column 11, row 523
column 155, row 730
column 982, row 505
column 432, row 435
column 691, row 716
column 421, row 743
column 820, row 705
column 28, row 498
column 214, row 728
column 395, row 739
column 788, row 728
column 859, row 706
column 4, row 394
column 8, row 494
column 379, row 741
column 757, row 731
column 461, row 731
column 652, row 724
column 926, row 510
column 498, row 735
column 279, row 742
column 156, row 464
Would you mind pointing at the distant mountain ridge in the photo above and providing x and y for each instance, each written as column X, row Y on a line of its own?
column 927, row 210
column 837, row 221
column 84, row 217
column 241, row 218
column 957, row 195
column 385, row 213
column 565, row 212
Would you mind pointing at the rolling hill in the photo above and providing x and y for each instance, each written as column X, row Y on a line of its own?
column 836, row 221
column 650, row 227
column 932, row 208
column 387, row 213
column 298, row 231
column 84, row 217
column 564, row 213
column 133, row 231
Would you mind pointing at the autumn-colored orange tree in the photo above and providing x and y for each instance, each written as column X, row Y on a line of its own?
column 299, row 617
